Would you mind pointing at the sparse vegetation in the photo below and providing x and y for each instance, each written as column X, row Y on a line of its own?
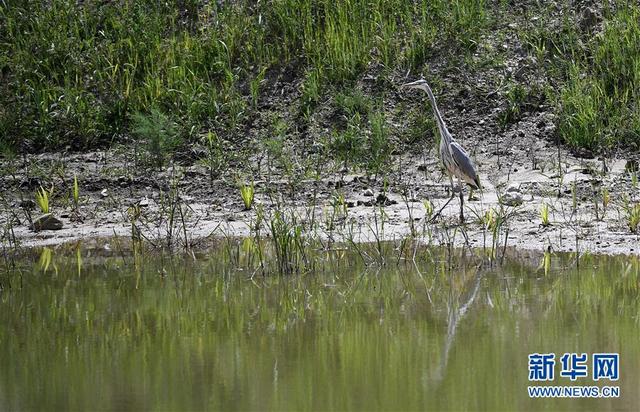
column 633, row 217
column 544, row 215
column 159, row 134
column 42, row 199
column 76, row 193
column 246, row 192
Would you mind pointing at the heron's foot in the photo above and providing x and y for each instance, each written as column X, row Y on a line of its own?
column 473, row 197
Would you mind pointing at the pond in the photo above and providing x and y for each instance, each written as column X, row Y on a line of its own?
column 444, row 330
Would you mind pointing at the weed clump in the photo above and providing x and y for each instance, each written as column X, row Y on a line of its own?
column 77, row 73
column 598, row 106
column 159, row 134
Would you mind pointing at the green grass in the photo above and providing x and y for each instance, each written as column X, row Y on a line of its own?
column 84, row 75
column 42, row 199
column 247, row 193
column 598, row 106
column 75, row 74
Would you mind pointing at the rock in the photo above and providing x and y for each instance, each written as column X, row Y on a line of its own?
column 513, row 188
column 29, row 183
column 588, row 19
column 316, row 148
column 513, row 198
column 124, row 181
column 631, row 166
column 144, row 202
column 368, row 193
column 104, row 193
column 383, row 200
column 423, row 167
column 46, row 222
column 27, row 204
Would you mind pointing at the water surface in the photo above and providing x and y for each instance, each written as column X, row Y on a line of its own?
column 174, row 333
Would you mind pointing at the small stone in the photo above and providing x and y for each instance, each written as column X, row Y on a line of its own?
column 512, row 199
column 46, row 222
column 368, row 193
column 383, row 200
column 27, row 204
column 144, row 202
column 124, row 181
column 29, row 182
column 104, row 193
column 423, row 167
column 513, row 188
column 588, row 19
column 316, row 148
column 631, row 166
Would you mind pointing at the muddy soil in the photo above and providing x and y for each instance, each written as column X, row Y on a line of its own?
column 515, row 187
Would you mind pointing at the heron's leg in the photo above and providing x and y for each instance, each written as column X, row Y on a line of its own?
column 461, row 201
column 453, row 194
column 470, row 195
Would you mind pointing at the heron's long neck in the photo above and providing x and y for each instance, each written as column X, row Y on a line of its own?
column 444, row 132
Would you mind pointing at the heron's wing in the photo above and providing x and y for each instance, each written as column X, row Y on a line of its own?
column 464, row 165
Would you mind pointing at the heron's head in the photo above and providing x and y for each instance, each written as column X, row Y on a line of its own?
column 418, row 84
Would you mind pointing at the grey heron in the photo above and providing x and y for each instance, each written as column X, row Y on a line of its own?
column 454, row 158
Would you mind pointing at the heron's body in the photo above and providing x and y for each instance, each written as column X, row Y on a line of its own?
column 454, row 158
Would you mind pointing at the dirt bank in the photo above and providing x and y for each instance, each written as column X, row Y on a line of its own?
column 340, row 207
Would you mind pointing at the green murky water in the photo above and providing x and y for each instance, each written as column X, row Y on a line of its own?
column 185, row 334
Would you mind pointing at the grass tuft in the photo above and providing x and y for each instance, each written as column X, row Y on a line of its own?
column 42, row 199
column 247, row 192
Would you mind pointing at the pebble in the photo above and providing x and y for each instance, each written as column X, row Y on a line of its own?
column 514, row 187
column 513, row 198
column 383, row 200
column 368, row 193
column 27, row 204
column 631, row 166
column 104, row 193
